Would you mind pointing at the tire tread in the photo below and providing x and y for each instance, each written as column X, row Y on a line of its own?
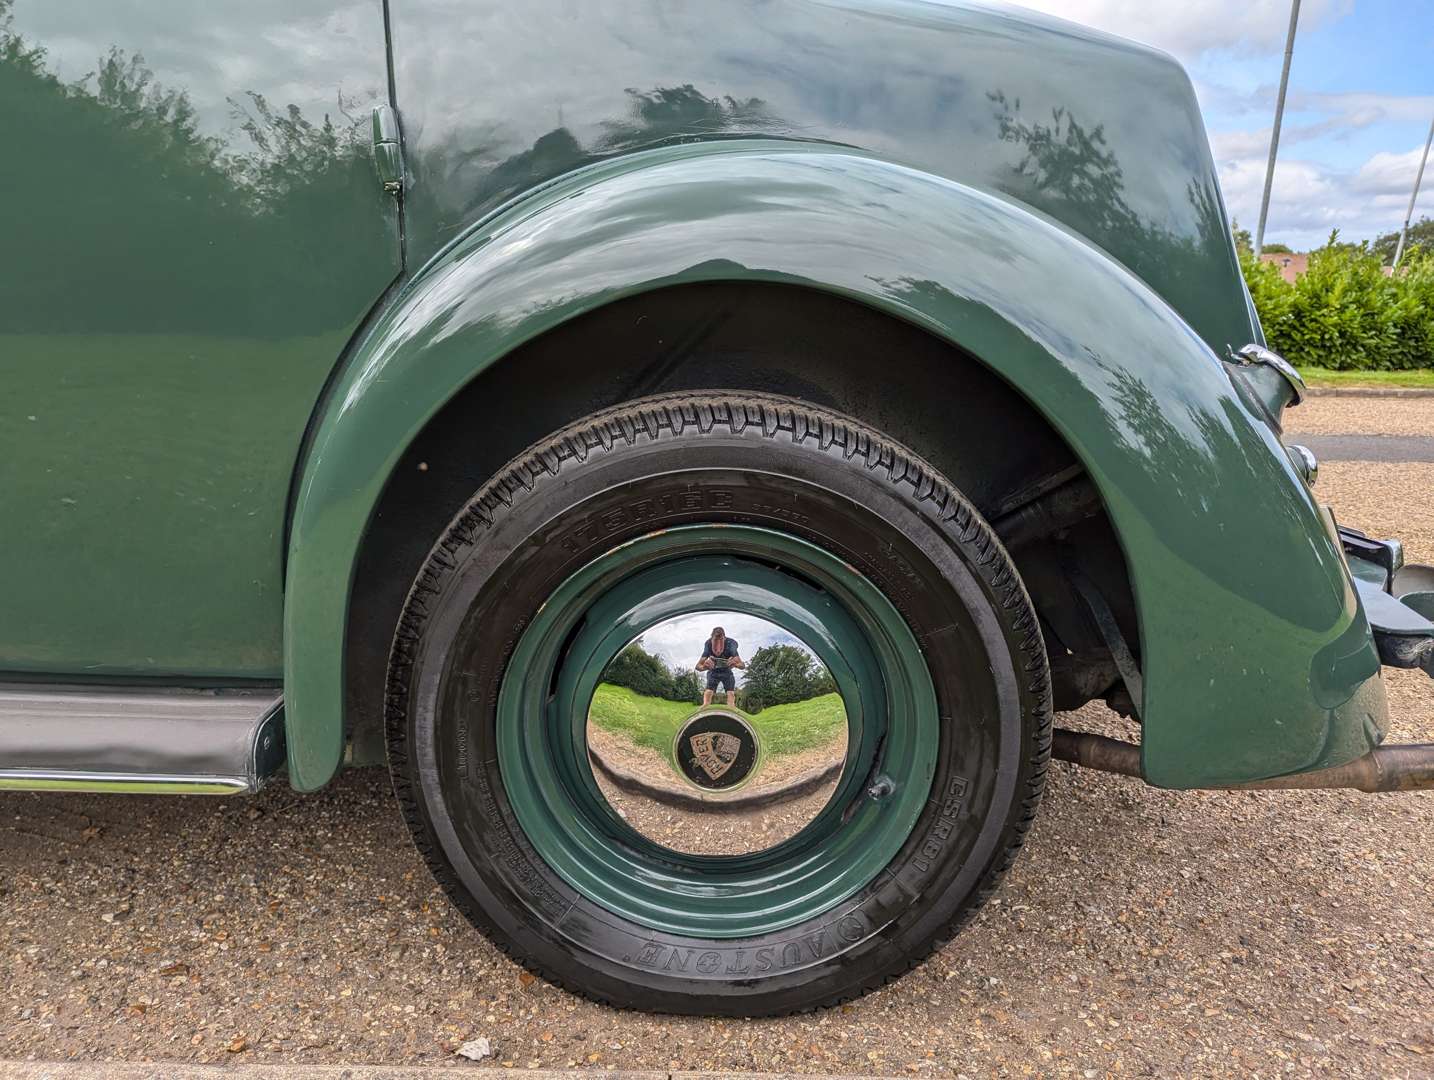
column 776, row 417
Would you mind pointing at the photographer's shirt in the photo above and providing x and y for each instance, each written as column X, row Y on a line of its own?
column 729, row 650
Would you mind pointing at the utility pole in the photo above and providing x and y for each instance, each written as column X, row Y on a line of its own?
column 1418, row 179
column 1275, row 135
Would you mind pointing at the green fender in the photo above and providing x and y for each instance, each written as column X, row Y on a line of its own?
column 1257, row 657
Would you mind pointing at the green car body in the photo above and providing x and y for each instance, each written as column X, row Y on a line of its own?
column 234, row 300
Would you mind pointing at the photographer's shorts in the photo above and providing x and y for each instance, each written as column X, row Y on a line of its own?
column 721, row 677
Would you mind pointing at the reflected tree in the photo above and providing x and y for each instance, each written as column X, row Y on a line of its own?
column 681, row 112
column 781, row 675
column 1070, row 164
column 459, row 179
column 1194, row 453
column 129, row 209
column 645, row 673
column 288, row 152
column 14, row 53
column 1069, row 169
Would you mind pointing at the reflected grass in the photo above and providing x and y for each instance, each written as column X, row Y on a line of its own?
column 653, row 722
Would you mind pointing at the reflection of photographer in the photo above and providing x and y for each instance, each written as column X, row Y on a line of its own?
column 719, row 657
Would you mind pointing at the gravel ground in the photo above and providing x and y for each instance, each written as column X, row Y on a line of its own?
column 1329, row 415
column 713, row 833
column 1142, row 931
column 699, row 833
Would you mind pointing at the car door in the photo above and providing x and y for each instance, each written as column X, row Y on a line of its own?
column 193, row 229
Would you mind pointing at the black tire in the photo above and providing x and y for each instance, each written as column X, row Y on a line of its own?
column 784, row 465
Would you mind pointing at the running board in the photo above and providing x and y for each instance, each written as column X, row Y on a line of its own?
column 139, row 740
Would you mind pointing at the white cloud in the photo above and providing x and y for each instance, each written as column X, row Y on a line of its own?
column 1310, row 199
column 1362, row 108
column 679, row 641
column 1189, row 29
column 1235, row 145
column 1390, row 175
column 1338, row 115
column 305, row 54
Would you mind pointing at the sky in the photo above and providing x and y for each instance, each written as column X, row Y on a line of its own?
column 679, row 641
column 1360, row 102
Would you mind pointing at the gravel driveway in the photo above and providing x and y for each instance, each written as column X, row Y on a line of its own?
column 1142, row 932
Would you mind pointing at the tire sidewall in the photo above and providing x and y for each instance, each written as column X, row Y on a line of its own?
column 895, row 522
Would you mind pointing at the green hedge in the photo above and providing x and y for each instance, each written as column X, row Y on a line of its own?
column 1345, row 313
column 638, row 670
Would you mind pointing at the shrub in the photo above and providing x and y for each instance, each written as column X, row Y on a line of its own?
column 1344, row 312
column 646, row 674
column 782, row 674
column 639, row 671
column 686, row 687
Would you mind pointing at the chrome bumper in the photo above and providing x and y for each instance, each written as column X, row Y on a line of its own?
column 1398, row 599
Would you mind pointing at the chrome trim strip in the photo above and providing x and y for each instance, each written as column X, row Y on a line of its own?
column 126, row 783
column 120, row 738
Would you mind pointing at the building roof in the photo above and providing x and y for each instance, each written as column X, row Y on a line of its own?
column 1291, row 264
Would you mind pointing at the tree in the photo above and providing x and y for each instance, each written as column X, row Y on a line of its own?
column 643, row 673
column 639, row 671
column 1245, row 244
column 1421, row 234
column 686, row 687
column 1243, row 240
column 823, row 683
column 780, row 674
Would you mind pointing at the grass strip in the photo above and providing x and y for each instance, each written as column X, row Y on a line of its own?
column 652, row 722
column 1417, row 378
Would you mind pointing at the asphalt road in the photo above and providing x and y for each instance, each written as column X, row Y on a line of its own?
column 1142, row 931
column 1390, row 448
column 1393, row 429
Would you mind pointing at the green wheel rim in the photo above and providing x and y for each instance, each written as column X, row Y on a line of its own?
column 879, row 669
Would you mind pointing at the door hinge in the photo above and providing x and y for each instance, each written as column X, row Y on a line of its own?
column 387, row 150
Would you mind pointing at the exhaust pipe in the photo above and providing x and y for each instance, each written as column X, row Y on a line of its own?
column 1408, row 767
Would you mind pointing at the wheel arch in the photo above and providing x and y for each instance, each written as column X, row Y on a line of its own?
column 827, row 350
column 1132, row 392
